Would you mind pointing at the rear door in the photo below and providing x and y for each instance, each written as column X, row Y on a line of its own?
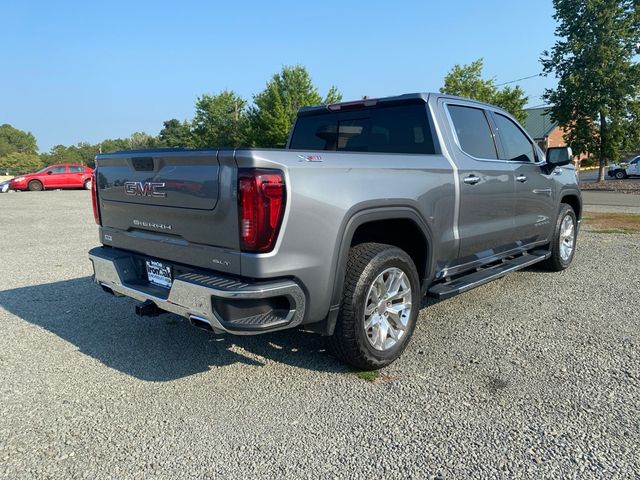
column 76, row 176
column 486, row 224
column 535, row 208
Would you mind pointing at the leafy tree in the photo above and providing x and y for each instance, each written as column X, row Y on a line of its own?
column 220, row 121
column 598, row 90
column 16, row 163
column 176, row 134
column 87, row 153
column 113, row 145
column 61, row 154
column 14, row 140
column 275, row 108
column 467, row 81
column 142, row 140
column 82, row 153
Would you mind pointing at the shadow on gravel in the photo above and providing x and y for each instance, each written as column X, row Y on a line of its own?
column 160, row 348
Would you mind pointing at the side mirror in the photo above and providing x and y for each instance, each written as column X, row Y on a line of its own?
column 49, row 172
column 558, row 156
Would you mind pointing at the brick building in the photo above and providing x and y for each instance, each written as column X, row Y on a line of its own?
column 544, row 131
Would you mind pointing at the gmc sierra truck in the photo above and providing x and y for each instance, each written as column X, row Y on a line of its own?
column 372, row 205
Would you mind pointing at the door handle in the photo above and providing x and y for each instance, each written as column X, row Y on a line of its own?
column 471, row 180
column 521, row 178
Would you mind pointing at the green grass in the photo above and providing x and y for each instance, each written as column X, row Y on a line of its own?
column 601, row 222
column 369, row 376
column 625, row 231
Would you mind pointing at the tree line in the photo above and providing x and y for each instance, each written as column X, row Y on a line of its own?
column 597, row 99
column 223, row 120
column 226, row 120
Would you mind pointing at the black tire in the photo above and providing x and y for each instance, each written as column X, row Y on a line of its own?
column 556, row 262
column 620, row 174
column 35, row 186
column 87, row 184
column 349, row 342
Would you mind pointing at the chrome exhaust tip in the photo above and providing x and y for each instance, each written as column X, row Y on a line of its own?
column 200, row 322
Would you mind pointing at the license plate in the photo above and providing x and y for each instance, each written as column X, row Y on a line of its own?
column 159, row 273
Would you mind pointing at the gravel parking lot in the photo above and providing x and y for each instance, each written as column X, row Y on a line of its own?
column 533, row 376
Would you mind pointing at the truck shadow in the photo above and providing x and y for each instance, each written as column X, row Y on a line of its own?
column 160, row 348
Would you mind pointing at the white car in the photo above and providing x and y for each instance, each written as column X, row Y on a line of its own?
column 4, row 186
column 623, row 171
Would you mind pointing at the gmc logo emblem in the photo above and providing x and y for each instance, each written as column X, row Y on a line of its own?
column 145, row 189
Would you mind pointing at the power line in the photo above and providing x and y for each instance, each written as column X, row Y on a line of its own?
column 518, row 80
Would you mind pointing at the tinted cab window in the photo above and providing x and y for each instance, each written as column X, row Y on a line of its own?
column 473, row 131
column 515, row 144
column 395, row 129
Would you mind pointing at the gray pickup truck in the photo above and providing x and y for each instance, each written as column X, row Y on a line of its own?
column 373, row 205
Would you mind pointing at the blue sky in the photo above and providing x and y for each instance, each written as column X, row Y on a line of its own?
column 85, row 71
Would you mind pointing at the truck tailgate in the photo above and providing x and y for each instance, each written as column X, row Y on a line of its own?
column 177, row 197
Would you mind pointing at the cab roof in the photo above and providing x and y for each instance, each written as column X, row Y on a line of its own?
column 386, row 101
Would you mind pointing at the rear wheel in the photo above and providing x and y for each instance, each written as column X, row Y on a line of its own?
column 35, row 186
column 380, row 304
column 87, row 184
column 621, row 174
column 563, row 244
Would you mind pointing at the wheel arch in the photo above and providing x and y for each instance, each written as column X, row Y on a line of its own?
column 382, row 225
column 573, row 199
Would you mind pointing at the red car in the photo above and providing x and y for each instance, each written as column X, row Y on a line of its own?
column 55, row 176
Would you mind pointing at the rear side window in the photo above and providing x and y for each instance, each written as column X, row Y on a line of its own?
column 397, row 129
column 76, row 169
column 472, row 129
column 516, row 145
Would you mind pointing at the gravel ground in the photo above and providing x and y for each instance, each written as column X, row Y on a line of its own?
column 533, row 376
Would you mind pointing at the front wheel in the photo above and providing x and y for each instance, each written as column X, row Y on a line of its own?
column 621, row 174
column 380, row 304
column 35, row 186
column 563, row 243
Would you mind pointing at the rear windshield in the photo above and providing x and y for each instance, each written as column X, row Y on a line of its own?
column 396, row 129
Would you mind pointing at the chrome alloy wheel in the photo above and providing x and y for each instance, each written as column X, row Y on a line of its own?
column 567, row 237
column 388, row 309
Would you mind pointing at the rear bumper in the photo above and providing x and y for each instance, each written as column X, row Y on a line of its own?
column 225, row 303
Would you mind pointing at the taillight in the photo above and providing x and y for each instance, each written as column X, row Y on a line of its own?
column 94, row 199
column 261, row 198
